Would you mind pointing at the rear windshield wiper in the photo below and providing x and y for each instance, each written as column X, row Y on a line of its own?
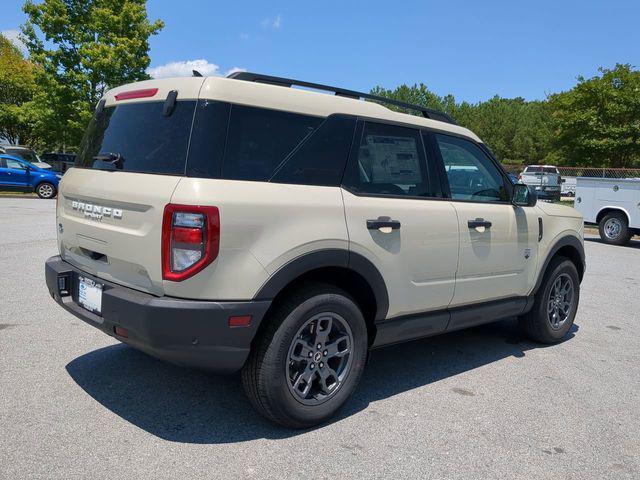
column 108, row 161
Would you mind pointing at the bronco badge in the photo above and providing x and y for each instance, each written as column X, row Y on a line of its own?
column 96, row 212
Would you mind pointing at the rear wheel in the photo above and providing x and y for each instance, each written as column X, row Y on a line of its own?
column 309, row 359
column 614, row 229
column 555, row 304
column 46, row 190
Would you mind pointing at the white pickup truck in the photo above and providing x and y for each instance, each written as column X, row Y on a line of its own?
column 612, row 203
column 545, row 179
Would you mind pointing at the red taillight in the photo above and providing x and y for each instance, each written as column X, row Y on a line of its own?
column 190, row 240
column 145, row 93
column 186, row 235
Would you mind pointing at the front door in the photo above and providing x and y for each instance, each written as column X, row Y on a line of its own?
column 394, row 220
column 498, row 241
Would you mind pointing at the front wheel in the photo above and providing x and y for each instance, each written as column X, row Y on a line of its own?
column 309, row 359
column 555, row 304
column 46, row 190
column 614, row 229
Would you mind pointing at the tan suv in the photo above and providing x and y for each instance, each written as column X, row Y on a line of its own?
column 242, row 224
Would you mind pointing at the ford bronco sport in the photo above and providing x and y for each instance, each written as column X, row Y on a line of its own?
column 242, row 224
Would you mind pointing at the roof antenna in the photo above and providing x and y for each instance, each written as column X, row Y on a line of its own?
column 196, row 73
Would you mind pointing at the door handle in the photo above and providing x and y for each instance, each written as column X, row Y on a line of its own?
column 383, row 222
column 479, row 222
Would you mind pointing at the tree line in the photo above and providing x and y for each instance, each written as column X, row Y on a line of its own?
column 76, row 50
column 594, row 124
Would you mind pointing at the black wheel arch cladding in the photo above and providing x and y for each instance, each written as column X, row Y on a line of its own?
column 569, row 246
column 320, row 259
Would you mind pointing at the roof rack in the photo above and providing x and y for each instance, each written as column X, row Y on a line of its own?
column 341, row 92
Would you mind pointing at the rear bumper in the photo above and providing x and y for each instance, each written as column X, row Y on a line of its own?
column 185, row 332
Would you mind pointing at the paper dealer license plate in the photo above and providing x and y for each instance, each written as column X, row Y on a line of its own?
column 90, row 295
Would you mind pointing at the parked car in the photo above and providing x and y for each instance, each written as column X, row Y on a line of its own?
column 545, row 179
column 611, row 203
column 19, row 175
column 25, row 153
column 59, row 162
column 238, row 224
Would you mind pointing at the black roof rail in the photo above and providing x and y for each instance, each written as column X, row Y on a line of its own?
column 341, row 92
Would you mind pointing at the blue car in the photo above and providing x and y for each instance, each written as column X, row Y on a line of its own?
column 19, row 175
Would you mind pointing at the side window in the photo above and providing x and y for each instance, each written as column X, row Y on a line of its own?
column 322, row 157
column 389, row 160
column 471, row 173
column 260, row 139
column 14, row 164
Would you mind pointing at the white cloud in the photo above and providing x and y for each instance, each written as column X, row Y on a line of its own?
column 185, row 69
column 14, row 36
column 272, row 22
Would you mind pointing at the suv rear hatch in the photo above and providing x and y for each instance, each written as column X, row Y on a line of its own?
column 133, row 154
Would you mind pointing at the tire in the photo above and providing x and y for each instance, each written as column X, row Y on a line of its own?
column 46, row 190
column 547, row 322
column 275, row 373
column 614, row 229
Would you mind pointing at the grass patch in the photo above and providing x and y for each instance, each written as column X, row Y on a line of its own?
column 9, row 193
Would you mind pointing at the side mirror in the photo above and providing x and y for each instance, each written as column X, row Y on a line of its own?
column 524, row 196
column 28, row 170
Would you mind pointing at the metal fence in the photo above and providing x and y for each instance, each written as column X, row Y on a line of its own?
column 585, row 171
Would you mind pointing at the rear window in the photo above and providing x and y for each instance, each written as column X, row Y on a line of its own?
column 533, row 169
column 23, row 153
column 145, row 140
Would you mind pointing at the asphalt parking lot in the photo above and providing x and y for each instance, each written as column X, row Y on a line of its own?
column 484, row 403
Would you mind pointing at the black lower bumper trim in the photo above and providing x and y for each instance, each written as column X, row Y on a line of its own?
column 186, row 332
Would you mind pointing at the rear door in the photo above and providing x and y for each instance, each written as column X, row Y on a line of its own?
column 14, row 173
column 498, row 241
column 395, row 219
column 131, row 158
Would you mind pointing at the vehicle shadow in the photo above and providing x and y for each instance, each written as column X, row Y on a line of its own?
column 632, row 243
column 184, row 405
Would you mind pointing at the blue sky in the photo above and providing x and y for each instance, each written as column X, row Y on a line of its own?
column 472, row 49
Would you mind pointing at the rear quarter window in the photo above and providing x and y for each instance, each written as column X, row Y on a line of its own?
column 259, row 140
column 322, row 158
column 148, row 141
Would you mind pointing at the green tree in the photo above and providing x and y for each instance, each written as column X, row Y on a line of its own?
column 83, row 48
column 17, row 90
column 416, row 94
column 597, row 123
